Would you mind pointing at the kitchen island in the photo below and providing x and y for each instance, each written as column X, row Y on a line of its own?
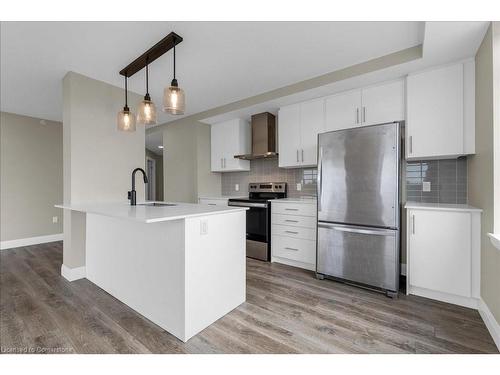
column 182, row 266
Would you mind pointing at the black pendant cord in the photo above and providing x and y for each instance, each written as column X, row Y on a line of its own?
column 174, row 81
column 147, row 80
column 126, row 102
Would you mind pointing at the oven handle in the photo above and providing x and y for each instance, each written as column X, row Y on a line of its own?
column 245, row 204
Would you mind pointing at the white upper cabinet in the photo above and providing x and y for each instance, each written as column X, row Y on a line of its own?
column 289, row 136
column 383, row 103
column 343, row 111
column 440, row 112
column 298, row 127
column 230, row 138
column 368, row 106
column 312, row 122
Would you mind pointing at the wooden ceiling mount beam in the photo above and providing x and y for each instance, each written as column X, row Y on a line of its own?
column 163, row 46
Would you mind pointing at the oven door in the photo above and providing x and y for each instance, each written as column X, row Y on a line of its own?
column 257, row 229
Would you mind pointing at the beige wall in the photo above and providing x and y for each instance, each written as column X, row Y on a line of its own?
column 31, row 174
column 98, row 159
column 159, row 173
column 209, row 183
column 480, row 174
column 186, row 162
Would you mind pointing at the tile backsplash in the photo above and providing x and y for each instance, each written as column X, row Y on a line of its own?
column 267, row 170
column 448, row 180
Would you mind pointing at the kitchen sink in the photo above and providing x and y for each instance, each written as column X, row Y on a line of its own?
column 157, row 204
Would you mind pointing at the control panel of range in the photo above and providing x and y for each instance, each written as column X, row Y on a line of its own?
column 267, row 187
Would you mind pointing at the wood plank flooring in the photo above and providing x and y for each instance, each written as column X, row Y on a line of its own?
column 287, row 311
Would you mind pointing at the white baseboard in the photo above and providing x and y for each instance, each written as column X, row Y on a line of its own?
column 4, row 245
column 490, row 322
column 469, row 302
column 72, row 274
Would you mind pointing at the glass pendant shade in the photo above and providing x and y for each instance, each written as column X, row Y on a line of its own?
column 126, row 120
column 174, row 100
column 146, row 113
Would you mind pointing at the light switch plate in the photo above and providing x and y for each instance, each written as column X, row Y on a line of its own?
column 236, row 187
column 203, row 227
column 55, row 219
column 299, row 186
column 426, row 186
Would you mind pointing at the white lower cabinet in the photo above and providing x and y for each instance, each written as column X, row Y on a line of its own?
column 443, row 255
column 293, row 233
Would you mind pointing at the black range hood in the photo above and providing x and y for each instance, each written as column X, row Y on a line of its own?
column 263, row 137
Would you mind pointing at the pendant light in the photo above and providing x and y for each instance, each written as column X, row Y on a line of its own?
column 126, row 119
column 173, row 96
column 146, row 113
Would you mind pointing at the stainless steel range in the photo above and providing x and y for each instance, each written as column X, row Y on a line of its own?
column 259, row 216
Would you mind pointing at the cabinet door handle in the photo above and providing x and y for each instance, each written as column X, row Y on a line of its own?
column 297, row 155
column 224, row 163
column 413, row 224
column 364, row 114
column 357, row 115
column 221, row 165
column 411, row 144
column 302, row 155
column 292, row 221
column 291, row 231
column 291, row 248
column 291, row 209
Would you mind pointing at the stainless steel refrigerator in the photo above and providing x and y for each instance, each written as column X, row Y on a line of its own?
column 359, row 206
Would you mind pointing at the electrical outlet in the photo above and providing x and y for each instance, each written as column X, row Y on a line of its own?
column 426, row 186
column 55, row 219
column 203, row 227
column 299, row 186
column 236, row 187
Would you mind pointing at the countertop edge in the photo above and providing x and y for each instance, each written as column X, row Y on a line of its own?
column 295, row 200
column 437, row 207
column 154, row 220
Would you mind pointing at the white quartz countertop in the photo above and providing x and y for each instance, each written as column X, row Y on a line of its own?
column 306, row 200
column 442, row 206
column 148, row 213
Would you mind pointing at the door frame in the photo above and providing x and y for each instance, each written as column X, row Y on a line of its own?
column 151, row 179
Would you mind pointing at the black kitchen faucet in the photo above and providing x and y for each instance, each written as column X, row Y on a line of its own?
column 132, row 195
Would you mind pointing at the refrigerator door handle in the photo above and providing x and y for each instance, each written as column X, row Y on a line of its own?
column 376, row 232
column 320, row 176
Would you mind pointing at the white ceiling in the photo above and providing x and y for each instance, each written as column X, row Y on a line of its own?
column 217, row 63
column 444, row 42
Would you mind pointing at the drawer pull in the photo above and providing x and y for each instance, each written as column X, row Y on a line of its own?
column 291, row 248
column 212, row 204
column 291, row 209
column 292, row 221
column 290, row 231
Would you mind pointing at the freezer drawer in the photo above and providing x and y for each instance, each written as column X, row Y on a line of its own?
column 361, row 254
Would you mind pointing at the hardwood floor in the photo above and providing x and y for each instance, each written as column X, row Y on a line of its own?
column 287, row 311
